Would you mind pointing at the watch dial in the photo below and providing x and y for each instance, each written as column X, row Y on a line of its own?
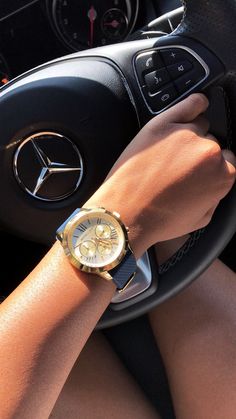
column 97, row 240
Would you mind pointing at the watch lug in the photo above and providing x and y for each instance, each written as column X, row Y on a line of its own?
column 59, row 235
column 106, row 276
column 116, row 214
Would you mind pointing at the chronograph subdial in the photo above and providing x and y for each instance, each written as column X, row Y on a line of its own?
column 88, row 248
column 103, row 231
column 104, row 247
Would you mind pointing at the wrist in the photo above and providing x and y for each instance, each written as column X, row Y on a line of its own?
column 113, row 201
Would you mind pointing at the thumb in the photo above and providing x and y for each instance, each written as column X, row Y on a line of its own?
column 187, row 110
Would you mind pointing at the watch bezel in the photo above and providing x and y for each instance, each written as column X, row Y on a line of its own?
column 71, row 225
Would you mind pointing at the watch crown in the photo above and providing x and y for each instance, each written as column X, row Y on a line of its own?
column 127, row 229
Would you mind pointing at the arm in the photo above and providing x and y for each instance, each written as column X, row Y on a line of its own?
column 44, row 325
column 46, row 321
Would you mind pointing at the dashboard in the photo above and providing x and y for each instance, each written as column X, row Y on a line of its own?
column 87, row 24
column 35, row 31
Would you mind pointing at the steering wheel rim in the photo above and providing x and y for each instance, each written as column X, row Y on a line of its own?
column 196, row 31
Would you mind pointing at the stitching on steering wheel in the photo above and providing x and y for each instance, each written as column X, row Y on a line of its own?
column 178, row 256
column 184, row 3
column 229, row 122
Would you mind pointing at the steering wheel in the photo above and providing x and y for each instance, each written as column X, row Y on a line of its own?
column 64, row 124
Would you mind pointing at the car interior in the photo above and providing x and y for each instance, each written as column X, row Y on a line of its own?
column 78, row 80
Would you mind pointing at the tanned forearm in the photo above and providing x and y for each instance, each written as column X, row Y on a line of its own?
column 46, row 321
column 54, row 310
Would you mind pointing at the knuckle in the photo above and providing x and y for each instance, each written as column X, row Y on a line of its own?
column 227, row 182
column 207, row 219
column 191, row 134
column 213, row 151
column 201, row 224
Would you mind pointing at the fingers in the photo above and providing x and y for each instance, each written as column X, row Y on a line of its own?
column 230, row 161
column 212, row 138
column 207, row 218
column 200, row 126
column 229, row 157
column 188, row 110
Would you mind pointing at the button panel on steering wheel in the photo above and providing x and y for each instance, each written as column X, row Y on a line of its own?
column 166, row 74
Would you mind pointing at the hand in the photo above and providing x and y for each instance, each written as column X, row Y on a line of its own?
column 170, row 178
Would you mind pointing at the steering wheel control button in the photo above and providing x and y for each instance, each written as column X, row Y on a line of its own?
column 173, row 56
column 177, row 70
column 167, row 74
column 184, row 83
column 156, row 79
column 48, row 166
column 147, row 62
column 163, row 98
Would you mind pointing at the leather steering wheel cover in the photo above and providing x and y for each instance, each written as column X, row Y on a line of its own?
column 212, row 23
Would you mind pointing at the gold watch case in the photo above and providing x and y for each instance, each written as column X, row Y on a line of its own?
column 65, row 238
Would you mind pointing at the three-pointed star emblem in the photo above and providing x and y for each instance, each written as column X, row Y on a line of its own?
column 40, row 157
column 49, row 167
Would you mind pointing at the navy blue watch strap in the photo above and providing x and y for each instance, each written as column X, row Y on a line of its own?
column 122, row 273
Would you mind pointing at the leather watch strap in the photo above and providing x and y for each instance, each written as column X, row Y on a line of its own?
column 122, row 273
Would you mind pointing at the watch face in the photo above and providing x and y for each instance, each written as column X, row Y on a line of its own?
column 96, row 240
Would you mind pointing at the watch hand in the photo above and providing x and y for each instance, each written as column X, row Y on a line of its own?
column 85, row 244
column 104, row 241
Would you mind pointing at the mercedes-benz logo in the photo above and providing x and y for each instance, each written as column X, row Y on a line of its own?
column 48, row 166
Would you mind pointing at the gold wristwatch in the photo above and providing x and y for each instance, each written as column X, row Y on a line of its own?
column 96, row 241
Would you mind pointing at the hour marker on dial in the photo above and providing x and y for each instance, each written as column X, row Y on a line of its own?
column 82, row 228
column 114, row 234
